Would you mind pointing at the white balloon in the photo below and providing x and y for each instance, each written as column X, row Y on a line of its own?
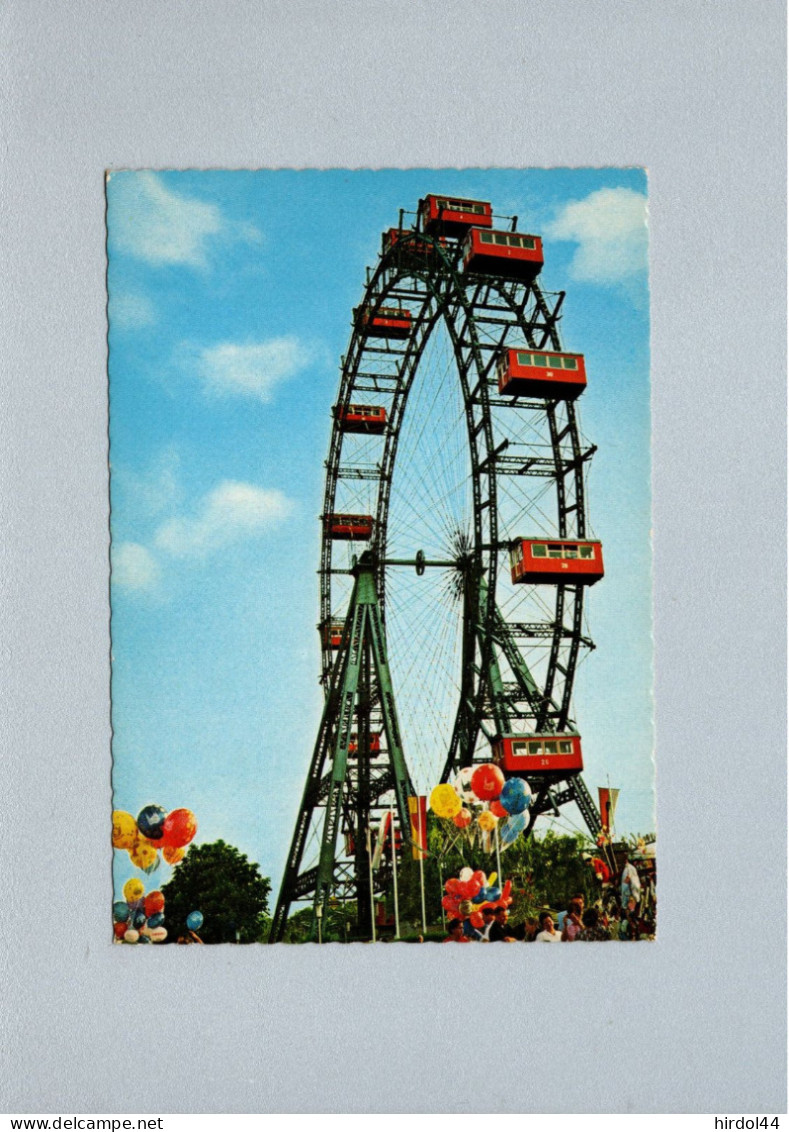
column 465, row 874
column 158, row 935
column 131, row 936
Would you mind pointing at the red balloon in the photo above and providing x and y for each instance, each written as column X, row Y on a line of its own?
column 462, row 819
column 476, row 919
column 120, row 930
column 498, row 810
column 154, row 902
column 452, row 886
column 179, row 828
column 481, row 877
column 487, row 781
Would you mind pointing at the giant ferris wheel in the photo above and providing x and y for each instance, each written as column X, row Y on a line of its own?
column 456, row 550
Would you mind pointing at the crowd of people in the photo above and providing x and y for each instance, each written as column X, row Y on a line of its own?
column 628, row 915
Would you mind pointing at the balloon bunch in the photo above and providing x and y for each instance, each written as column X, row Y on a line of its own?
column 480, row 799
column 139, row 918
column 153, row 830
column 470, row 893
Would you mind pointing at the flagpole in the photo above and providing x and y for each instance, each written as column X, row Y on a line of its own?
column 394, row 872
column 441, row 890
column 370, row 870
column 422, row 888
column 499, row 878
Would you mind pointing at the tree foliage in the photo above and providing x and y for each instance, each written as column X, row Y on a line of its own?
column 228, row 889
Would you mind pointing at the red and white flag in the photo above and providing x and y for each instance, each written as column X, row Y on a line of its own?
column 380, row 839
column 417, row 812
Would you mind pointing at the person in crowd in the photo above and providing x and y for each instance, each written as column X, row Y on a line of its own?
column 630, row 883
column 547, row 932
column 500, row 930
column 456, row 934
column 579, row 898
column 572, row 921
column 530, row 929
column 592, row 930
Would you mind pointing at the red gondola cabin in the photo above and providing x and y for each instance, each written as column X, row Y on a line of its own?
column 532, row 373
column 361, row 418
column 575, row 562
column 511, row 254
column 375, row 744
column 331, row 634
column 453, row 216
column 410, row 240
column 538, row 754
column 386, row 322
column 349, row 526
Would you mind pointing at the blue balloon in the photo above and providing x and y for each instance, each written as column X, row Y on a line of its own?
column 156, row 920
column 194, row 921
column 143, row 939
column 515, row 796
column 138, row 918
column 150, row 822
column 120, row 911
column 493, row 893
column 511, row 828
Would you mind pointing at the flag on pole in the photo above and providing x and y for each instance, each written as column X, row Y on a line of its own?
column 608, row 799
column 380, row 839
column 417, row 812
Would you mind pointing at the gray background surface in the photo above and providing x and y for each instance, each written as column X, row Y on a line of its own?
column 692, row 90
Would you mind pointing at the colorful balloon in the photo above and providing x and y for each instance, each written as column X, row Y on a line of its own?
column 150, row 822
column 444, row 802
column 124, row 830
column 120, row 911
column 462, row 784
column 143, row 855
column 173, row 856
column 487, row 781
column 133, row 890
column 463, row 819
column 179, row 828
column 487, row 821
column 154, row 902
column 194, row 921
column 156, row 920
column 511, row 829
column 515, row 796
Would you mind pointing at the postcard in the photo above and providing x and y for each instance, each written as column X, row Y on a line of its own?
column 381, row 558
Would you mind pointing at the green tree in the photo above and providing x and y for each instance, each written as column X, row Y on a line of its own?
column 228, row 889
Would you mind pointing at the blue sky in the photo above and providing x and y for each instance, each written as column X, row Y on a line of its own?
column 230, row 295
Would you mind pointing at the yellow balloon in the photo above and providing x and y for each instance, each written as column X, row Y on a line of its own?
column 133, row 890
column 444, row 802
column 124, row 830
column 492, row 879
column 142, row 854
column 487, row 820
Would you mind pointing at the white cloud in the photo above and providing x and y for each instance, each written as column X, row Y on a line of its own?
column 134, row 567
column 154, row 490
column 231, row 511
column 610, row 228
column 129, row 311
column 152, row 222
column 253, row 369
